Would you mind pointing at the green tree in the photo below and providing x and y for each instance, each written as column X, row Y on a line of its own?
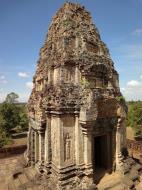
column 11, row 98
column 10, row 116
column 135, row 114
column 134, row 117
column 4, row 139
column 23, row 122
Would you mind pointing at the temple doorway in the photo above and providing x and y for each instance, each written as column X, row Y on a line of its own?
column 102, row 151
column 102, row 156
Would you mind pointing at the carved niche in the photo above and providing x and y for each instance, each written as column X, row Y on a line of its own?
column 67, row 147
column 69, row 42
column 69, row 74
column 91, row 47
column 101, row 75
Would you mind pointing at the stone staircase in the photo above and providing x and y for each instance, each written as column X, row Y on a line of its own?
column 129, row 179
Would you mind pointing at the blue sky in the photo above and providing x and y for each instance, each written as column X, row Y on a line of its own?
column 24, row 24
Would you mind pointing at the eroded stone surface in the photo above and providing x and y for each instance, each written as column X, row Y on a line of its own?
column 77, row 118
column 8, row 166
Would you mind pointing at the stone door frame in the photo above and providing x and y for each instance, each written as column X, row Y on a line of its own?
column 108, row 147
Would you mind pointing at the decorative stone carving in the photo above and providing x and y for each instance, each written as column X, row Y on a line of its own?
column 67, row 147
column 74, row 100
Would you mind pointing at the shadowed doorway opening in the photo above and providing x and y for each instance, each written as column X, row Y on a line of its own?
column 103, row 151
column 102, row 156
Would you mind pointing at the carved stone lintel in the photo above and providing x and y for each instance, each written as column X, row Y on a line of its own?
column 87, row 127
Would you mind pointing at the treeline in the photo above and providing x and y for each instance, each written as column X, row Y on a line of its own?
column 13, row 118
column 134, row 117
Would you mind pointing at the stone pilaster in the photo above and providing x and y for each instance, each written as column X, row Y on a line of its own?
column 88, row 141
column 32, row 147
column 88, row 150
column 47, row 146
column 120, row 141
column 77, row 141
column 36, row 147
column 41, row 146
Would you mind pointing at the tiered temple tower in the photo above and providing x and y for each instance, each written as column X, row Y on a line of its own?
column 77, row 121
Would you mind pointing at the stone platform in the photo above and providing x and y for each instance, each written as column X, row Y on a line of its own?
column 8, row 166
column 15, row 176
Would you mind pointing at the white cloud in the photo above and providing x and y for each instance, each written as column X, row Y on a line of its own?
column 141, row 77
column 3, row 80
column 2, row 77
column 137, row 32
column 23, row 75
column 2, row 95
column 29, row 85
column 122, row 89
column 23, row 97
column 133, row 83
column 133, row 93
column 133, row 90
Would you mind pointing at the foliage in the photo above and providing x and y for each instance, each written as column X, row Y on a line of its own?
column 23, row 119
column 12, row 116
column 121, row 99
column 138, row 132
column 134, row 117
column 135, row 114
column 11, row 98
column 4, row 139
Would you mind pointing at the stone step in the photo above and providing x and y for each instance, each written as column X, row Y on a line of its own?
column 130, row 161
column 133, row 175
column 67, row 181
column 138, row 167
column 129, row 183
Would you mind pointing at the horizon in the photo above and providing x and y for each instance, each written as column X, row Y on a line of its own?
column 24, row 26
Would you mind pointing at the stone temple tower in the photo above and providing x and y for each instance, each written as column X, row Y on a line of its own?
column 77, row 121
